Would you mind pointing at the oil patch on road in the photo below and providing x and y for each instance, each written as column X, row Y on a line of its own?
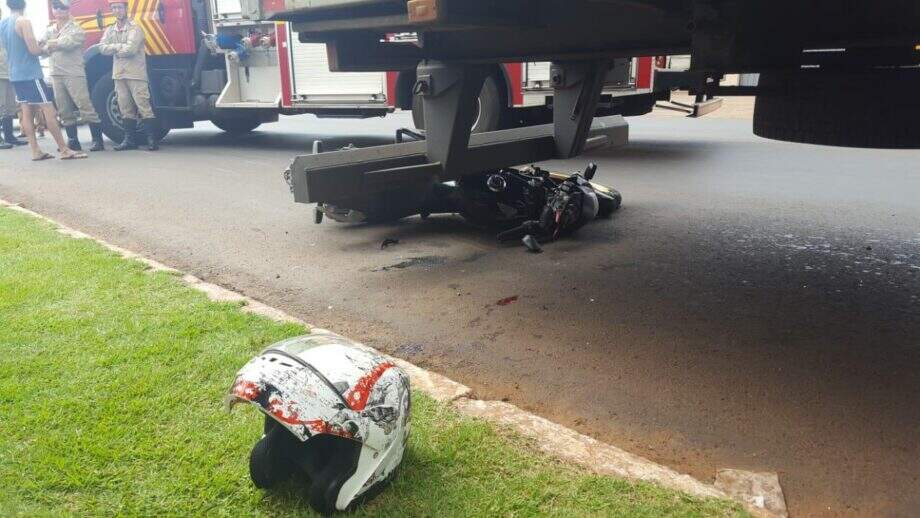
column 426, row 262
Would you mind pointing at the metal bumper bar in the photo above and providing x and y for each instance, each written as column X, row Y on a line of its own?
column 340, row 175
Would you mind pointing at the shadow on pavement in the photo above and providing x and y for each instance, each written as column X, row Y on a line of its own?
column 642, row 150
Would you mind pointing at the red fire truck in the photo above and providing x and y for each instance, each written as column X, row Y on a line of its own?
column 207, row 60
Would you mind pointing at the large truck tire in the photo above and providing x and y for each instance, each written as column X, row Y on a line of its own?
column 237, row 126
column 491, row 114
column 103, row 97
column 635, row 106
column 877, row 109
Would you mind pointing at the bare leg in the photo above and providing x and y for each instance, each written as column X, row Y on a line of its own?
column 21, row 116
column 52, row 123
column 27, row 123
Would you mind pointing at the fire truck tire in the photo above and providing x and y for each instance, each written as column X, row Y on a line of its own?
column 237, row 126
column 492, row 111
column 103, row 97
column 877, row 109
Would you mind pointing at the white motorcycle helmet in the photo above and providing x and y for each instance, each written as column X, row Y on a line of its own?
column 335, row 410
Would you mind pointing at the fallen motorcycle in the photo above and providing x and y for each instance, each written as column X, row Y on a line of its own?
column 532, row 203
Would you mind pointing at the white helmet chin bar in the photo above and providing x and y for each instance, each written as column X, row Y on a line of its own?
column 324, row 386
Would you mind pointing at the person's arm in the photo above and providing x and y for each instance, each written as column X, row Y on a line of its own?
column 45, row 41
column 24, row 30
column 71, row 39
column 105, row 45
column 134, row 45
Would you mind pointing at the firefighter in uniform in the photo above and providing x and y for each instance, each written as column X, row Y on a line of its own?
column 64, row 46
column 125, row 42
column 8, row 105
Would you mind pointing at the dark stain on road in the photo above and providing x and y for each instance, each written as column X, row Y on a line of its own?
column 428, row 261
column 507, row 300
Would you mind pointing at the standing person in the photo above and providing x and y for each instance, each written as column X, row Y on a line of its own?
column 28, row 81
column 5, row 90
column 125, row 42
column 64, row 46
column 8, row 106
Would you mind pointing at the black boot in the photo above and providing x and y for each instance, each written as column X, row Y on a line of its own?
column 73, row 141
column 130, row 126
column 96, row 130
column 151, row 129
column 7, row 125
column 4, row 145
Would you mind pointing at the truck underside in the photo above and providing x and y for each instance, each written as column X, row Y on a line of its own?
column 840, row 73
column 804, row 50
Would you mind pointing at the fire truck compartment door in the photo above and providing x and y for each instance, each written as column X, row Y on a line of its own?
column 226, row 9
column 313, row 80
column 617, row 77
column 172, row 20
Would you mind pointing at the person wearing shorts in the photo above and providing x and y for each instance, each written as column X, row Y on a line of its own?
column 27, row 78
column 8, row 106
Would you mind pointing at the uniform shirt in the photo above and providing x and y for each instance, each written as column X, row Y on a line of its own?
column 65, row 49
column 126, row 46
column 4, row 68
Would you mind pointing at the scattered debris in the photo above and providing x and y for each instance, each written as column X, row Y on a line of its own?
column 507, row 300
column 387, row 242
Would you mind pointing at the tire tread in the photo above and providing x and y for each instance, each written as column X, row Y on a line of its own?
column 870, row 110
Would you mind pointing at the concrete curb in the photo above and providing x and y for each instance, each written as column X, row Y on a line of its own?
column 572, row 446
column 760, row 493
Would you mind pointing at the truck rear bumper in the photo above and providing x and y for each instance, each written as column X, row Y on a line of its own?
column 338, row 175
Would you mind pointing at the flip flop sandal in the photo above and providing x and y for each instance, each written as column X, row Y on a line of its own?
column 43, row 156
column 75, row 156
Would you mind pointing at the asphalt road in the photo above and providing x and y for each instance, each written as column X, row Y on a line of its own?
column 753, row 305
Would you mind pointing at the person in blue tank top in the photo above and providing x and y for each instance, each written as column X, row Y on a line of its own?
column 28, row 80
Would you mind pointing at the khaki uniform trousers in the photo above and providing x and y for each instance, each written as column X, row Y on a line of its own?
column 71, row 95
column 133, row 99
column 8, row 104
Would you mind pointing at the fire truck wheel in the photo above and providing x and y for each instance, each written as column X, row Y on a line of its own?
column 491, row 110
column 878, row 109
column 237, row 126
column 103, row 97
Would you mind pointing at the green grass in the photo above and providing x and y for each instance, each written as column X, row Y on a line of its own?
column 111, row 388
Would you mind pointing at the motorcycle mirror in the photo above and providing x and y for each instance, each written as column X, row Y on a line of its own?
column 590, row 171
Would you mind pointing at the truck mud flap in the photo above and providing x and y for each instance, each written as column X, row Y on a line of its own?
column 694, row 110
